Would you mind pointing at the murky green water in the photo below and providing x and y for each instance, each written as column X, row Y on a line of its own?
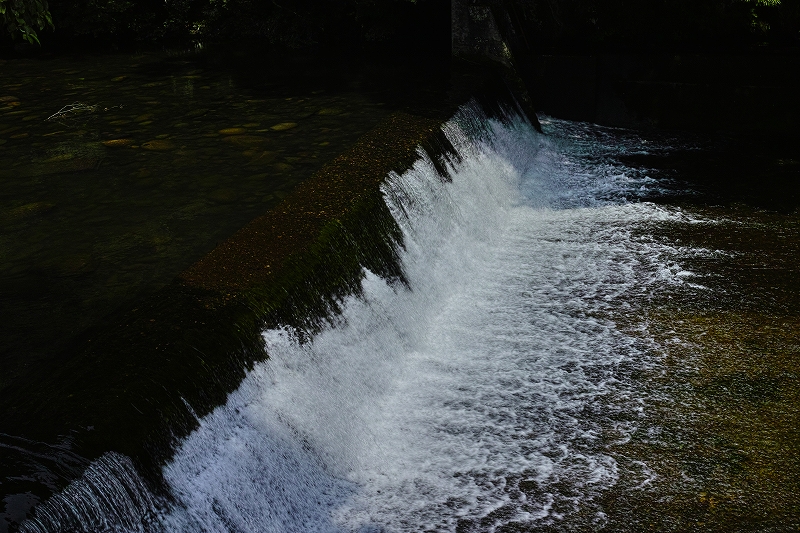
column 117, row 172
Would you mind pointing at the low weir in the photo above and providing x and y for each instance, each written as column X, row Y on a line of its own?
column 462, row 325
column 460, row 355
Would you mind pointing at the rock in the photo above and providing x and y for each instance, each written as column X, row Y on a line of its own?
column 330, row 111
column 118, row 142
column 142, row 118
column 59, row 157
column 118, row 78
column 19, row 136
column 283, row 126
column 9, row 99
column 158, row 145
column 223, row 196
column 28, row 210
column 232, row 131
column 282, row 167
column 264, row 157
column 142, row 173
column 120, row 122
column 251, row 125
column 197, row 112
column 3, row 141
column 246, row 140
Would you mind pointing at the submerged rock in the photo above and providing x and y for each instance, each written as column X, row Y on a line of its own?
column 158, row 145
column 232, row 131
column 118, row 142
column 282, row 167
column 197, row 112
column 142, row 173
column 246, row 140
column 59, row 157
column 224, row 196
column 264, row 157
column 73, row 266
column 283, row 126
column 28, row 210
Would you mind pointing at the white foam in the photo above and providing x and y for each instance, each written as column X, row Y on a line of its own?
column 479, row 396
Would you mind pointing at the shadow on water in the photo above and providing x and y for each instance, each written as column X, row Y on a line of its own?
column 169, row 155
column 761, row 171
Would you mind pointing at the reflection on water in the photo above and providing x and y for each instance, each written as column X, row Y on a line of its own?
column 118, row 172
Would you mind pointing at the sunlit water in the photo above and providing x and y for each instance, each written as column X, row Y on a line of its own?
column 486, row 393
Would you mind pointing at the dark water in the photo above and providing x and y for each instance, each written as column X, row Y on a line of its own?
column 117, row 172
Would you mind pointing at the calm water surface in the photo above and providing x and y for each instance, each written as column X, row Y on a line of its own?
column 117, row 172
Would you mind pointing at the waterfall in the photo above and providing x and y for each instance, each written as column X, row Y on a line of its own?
column 483, row 393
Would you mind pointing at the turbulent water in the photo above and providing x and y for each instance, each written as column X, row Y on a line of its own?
column 486, row 393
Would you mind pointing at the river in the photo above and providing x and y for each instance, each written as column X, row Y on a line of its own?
column 596, row 332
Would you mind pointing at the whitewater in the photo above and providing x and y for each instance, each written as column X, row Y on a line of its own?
column 484, row 393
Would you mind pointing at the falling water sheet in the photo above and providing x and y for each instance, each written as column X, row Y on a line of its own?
column 481, row 395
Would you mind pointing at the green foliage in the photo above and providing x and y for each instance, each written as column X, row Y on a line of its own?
column 22, row 18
